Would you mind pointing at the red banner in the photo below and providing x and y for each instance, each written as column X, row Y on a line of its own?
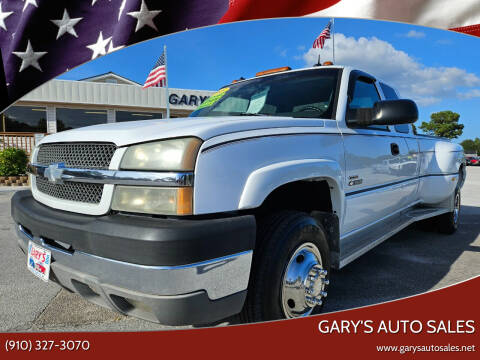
column 470, row 30
column 442, row 324
column 247, row 9
column 239, row 10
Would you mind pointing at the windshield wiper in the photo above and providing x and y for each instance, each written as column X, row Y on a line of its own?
column 252, row 114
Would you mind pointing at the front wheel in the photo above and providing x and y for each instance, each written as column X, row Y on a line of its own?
column 290, row 271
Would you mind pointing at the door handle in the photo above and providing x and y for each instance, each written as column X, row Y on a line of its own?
column 395, row 149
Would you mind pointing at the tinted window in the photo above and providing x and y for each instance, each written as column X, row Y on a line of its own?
column 403, row 128
column 25, row 119
column 365, row 95
column 121, row 116
column 299, row 94
column 74, row 118
column 390, row 94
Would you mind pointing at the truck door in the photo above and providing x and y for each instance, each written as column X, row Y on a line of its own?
column 411, row 163
column 374, row 182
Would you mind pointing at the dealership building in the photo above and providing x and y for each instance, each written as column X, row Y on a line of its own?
column 66, row 104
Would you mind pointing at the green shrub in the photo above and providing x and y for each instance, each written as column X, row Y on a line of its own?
column 13, row 162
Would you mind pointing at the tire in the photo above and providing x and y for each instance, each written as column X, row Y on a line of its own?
column 288, row 243
column 448, row 223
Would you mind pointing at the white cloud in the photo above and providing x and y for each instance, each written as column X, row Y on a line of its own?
column 473, row 93
column 415, row 34
column 424, row 84
column 281, row 51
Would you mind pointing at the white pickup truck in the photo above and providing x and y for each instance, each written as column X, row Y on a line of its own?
column 242, row 208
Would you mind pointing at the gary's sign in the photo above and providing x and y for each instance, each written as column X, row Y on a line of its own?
column 188, row 100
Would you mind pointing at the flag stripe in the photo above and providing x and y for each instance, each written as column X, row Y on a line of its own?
column 152, row 76
column 155, row 80
column 157, row 70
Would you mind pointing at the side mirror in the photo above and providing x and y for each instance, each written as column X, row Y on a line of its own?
column 385, row 112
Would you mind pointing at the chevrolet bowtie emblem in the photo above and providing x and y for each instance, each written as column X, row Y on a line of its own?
column 54, row 173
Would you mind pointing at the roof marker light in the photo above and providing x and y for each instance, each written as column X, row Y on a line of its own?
column 273, row 71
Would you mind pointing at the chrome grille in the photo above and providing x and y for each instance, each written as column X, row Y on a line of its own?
column 77, row 155
column 74, row 155
column 73, row 191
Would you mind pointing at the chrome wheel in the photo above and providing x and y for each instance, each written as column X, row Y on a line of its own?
column 304, row 282
column 456, row 208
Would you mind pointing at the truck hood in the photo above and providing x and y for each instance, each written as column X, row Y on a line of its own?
column 133, row 132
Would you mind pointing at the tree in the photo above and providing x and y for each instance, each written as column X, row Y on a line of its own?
column 444, row 124
column 13, row 162
column 471, row 146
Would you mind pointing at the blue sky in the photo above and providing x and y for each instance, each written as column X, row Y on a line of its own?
column 437, row 68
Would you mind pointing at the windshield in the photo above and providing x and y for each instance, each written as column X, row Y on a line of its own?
column 300, row 94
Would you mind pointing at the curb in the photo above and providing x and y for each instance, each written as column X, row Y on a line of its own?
column 13, row 188
column 20, row 180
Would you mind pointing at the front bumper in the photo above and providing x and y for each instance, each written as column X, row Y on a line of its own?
column 167, row 287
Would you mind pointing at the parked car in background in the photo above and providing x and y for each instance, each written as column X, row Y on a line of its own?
column 472, row 160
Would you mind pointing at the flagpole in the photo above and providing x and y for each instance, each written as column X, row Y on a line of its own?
column 166, row 82
column 333, row 40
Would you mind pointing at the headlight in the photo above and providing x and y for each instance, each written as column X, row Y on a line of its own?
column 153, row 200
column 165, row 155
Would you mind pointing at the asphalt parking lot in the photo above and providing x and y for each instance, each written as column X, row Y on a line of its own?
column 412, row 262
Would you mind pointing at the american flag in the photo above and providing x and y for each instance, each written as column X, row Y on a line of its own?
column 158, row 75
column 325, row 34
column 462, row 16
column 41, row 39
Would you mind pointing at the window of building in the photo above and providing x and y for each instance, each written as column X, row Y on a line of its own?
column 24, row 119
column 75, row 118
column 121, row 116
